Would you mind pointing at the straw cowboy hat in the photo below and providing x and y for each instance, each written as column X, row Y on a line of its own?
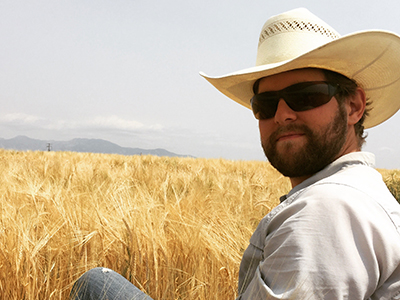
column 298, row 39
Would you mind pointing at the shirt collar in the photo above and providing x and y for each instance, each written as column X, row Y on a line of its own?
column 354, row 158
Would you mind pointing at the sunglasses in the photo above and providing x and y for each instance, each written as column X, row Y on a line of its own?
column 299, row 97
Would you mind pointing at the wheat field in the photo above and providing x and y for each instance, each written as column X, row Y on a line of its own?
column 176, row 227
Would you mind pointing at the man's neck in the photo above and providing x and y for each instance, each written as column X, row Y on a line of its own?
column 297, row 180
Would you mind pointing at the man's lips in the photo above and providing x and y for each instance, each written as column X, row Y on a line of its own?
column 288, row 136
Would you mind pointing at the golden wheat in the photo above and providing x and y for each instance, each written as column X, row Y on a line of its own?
column 176, row 227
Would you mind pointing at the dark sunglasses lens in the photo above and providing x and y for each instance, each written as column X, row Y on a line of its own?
column 310, row 97
column 263, row 107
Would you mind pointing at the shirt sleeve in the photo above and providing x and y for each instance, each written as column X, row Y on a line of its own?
column 330, row 243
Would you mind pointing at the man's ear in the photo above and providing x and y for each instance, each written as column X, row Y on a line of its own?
column 356, row 106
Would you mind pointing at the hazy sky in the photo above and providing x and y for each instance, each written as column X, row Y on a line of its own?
column 128, row 71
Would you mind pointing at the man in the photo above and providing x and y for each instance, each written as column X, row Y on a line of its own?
column 336, row 234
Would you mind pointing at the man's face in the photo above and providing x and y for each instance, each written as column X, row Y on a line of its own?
column 299, row 144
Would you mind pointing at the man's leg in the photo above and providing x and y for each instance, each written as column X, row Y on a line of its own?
column 103, row 283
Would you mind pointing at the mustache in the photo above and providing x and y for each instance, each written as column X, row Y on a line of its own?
column 303, row 129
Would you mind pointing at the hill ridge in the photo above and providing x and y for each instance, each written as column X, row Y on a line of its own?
column 92, row 145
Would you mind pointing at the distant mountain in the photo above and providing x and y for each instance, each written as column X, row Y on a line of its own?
column 24, row 143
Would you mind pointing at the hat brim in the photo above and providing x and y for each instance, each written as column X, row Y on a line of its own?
column 371, row 58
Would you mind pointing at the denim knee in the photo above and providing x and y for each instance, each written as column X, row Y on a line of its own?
column 104, row 283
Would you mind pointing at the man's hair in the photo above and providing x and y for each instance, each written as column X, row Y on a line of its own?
column 348, row 87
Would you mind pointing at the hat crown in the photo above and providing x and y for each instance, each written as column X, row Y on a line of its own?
column 291, row 34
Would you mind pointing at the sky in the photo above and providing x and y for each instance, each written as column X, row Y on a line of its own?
column 127, row 71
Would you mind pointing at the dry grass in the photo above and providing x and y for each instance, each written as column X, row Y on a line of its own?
column 176, row 227
column 392, row 180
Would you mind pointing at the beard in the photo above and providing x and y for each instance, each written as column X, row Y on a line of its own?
column 320, row 150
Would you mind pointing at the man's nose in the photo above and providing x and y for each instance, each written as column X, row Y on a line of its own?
column 284, row 113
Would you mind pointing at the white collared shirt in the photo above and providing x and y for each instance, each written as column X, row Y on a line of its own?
column 335, row 236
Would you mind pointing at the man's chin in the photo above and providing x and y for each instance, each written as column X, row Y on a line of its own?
column 289, row 167
column 290, row 148
column 292, row 160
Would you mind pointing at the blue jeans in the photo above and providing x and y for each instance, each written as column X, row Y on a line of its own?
column 103, row 283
